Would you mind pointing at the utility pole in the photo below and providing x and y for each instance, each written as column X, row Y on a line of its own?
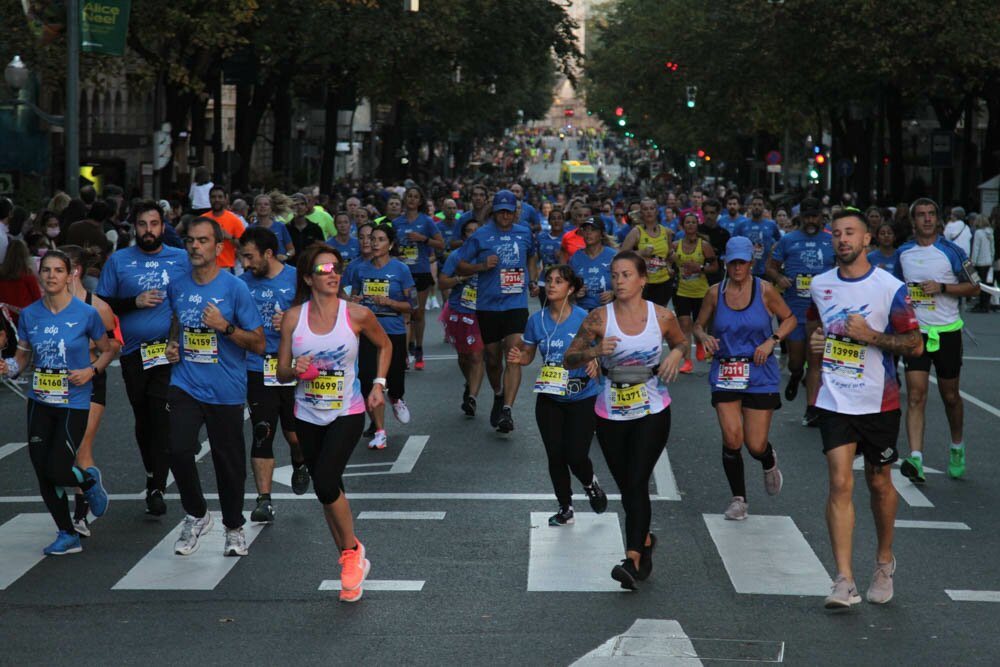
column 72, row 126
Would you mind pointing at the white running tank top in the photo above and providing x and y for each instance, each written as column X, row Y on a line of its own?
column 623, row 403
column 337, row 391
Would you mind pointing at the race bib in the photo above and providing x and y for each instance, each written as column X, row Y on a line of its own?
column 844, row 357
column 375, row 287
column 655, row 264
column 469, row 295
column 734, row 374
column 271, row 373
column 552, row 380
column 326, row 391
column 410, row 254
column 919, row 298
column 201, row 346
column 511, row 281
column 153, row 353
column 802, row 285
column 51, row 385
column 629, row 401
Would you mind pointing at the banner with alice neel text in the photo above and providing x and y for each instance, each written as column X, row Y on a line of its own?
column 104, row 26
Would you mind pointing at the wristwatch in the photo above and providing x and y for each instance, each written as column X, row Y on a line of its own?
column 228, row 331
column 776, row 338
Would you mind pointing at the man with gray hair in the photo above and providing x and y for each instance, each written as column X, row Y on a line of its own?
column 317, row 213
column 958, row 231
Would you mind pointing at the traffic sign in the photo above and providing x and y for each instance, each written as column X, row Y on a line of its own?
column 773, row 157
column 845, row 167
column 774, row 168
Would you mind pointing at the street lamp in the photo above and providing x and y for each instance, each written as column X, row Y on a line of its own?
column 16, row 73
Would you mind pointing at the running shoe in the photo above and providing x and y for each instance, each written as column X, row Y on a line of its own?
column 236, row 542
column 155, row 505
column 773, row 478
column 411, row 347
column 687, row 368
column 81, row 507
column 300, row 478
column 595, row 494
column 506, row 421
column 811, row 417
column 82, row 527
column 352, row 596
column 646, row 559
column 792, row 388
column 418, row 359
column 65, row 543
column 625, row 574
column 737, row 510
column 880, row 590
column 912, row 468
column 354, row 568
column 699, row 352
column 469, row 405
column 378, row 442
column 495, row 410
column 401, row 412
column 563, row 517
column 264, row 512
column 97, row 497
column 193, row 528
column 956, row 462
column 844, row 594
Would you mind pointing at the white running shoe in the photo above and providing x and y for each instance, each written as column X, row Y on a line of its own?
column 236, row 542
column 193, row 528
column 378, row 442
column 401, row 411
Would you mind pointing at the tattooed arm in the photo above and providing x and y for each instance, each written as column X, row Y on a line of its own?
column 589, row 342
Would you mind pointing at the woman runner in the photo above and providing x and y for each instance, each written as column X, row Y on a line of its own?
column 653, row 243
column 694, row 258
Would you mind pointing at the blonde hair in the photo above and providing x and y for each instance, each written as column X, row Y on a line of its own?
column 281, row 204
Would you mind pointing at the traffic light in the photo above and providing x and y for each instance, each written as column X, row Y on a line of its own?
column 621, row 122
column 701, row 153
column 671, row 66
column 567, row 112
column 820, row 159
column 692, row 92
column 692, row 163
column 619, row 112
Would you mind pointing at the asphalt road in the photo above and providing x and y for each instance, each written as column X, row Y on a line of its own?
column 481, row 571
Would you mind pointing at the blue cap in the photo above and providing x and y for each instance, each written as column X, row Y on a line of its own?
column 504, row 201
column 739, row 247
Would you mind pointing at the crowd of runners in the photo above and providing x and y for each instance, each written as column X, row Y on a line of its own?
column 311, row 312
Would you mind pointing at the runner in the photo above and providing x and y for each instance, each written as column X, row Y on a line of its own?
column 385, row 286
column 593, row 266
column 564, row 406
column 885, row 256
column 264, row 217
column 499, row 252
column 272, row 286
column 56, row 332
column 322, row 333
column 718, row 237
column 215, row 323
column 796, row 258
column 938, row 274
column 548, row 247
column 865, row 317
column 633, row 405
column 79, row 261
column 447, row 225
column 231, row 224
column 762, row 231
column 461, row 325
column 416, row 235
column 744, row 376
column 694, row 258
column 348, row 246
column 653, row 242
column 134, row 283
column 732, row 218
column 302, row 231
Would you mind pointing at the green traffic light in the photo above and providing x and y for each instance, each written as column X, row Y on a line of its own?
column 621, row 122
column 813, row 174
column 692, row 164
column 690, row 104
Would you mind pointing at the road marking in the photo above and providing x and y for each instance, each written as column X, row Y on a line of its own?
column 21, row 542
column 161, row 569
column 974, row 596
column 666, row 483
column 981, row 358
column 975, row 401
column 908, row 491
column 402, row 516
column 647, row 642
column 377, row 585
column 404, row 462
column 939, row 525
column 10, row 448
column 439, row 357
column 578, row 557
column 767, row 555
column 354, row 496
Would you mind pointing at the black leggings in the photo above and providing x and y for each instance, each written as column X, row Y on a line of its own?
column 326, row 449
column 567, row 429
column 368, row 366
column 632, row 449
column 54, row 435
column 147, row 393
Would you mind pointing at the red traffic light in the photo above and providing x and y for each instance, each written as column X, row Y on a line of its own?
column 820, row 158
column 671, row 66
column 701, row 153
column 567, row 112
column 619, row 112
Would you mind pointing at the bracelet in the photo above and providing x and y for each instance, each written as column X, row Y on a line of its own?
column 13, row 368
column 379, row 381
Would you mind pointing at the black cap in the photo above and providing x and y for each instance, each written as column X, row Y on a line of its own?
column 810, row 206
column 593, row 221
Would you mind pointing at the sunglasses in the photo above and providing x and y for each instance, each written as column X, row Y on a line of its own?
column 327, row 269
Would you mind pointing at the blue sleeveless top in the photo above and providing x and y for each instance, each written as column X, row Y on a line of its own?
column 739, row 333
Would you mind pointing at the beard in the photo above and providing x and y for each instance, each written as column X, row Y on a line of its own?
column 848, row 258
column 148, row 242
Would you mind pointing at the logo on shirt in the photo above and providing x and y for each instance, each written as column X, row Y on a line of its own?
column 152, row 265
column 217, row 301
column 52, row 331
column 71, row 324
column 284, row 290
column 194, row 298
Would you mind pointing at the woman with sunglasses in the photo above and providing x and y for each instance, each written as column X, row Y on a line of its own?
column 384, row 284
column 55, row 333
column 744, row 376
column 322, row 332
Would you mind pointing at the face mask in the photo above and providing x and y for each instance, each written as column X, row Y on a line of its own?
column 52, row 232
column 41, row 252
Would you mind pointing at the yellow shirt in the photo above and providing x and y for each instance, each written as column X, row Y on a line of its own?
column 657, row 267
column 695, row 285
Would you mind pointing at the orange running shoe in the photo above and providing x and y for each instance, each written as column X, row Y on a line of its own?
column 699, row 352
column 688, row 367
column 354, row 568
column 351, row 596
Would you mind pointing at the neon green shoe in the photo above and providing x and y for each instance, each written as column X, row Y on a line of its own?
column 912, row 468
column 956, row 462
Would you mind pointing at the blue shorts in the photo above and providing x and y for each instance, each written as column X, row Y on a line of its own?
column 798, row 305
